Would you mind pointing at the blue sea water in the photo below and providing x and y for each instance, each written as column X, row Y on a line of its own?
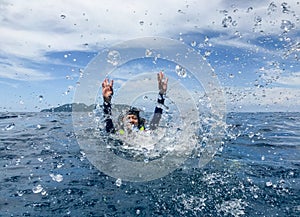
column 43, row 172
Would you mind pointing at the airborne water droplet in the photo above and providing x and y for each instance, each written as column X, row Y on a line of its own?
column 287, row 25
column 272, row 7
column 118, row 182
column 249, row 9
column 148, row 52
column 285, row 8
column 257, row 20
column 226, row 22
column 206, row 39
column 207, row 53
column 181, row 72
column 113, row 57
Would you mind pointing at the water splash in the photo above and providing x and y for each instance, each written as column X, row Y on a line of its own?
column 191, row 203
column 293, row 49
column 37, row 189
column 235, row 207
column 57, row 177
column 9, row 127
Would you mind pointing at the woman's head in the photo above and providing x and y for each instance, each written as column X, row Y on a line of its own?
column 132, row 117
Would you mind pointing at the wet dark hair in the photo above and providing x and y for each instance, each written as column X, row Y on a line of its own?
column 133, row 111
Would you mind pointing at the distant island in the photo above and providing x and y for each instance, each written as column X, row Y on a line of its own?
column 81, row 107
column 78, row 107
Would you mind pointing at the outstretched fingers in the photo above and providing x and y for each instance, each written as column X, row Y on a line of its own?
column 111, row 84
column 107, row 83
column 104, row 83
column 160, row 76
column 166, row 80
column 107, row 89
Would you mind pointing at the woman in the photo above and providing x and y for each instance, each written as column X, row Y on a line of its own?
column 132, row 117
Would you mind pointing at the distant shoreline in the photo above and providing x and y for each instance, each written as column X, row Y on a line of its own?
column 81, row 107
column 78, row 107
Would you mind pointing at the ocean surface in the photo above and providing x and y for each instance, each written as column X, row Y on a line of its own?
column 43, row 172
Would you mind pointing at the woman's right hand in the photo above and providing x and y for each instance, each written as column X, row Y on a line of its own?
column 107, row 89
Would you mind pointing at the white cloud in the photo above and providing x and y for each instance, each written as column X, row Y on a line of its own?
column 31, row 30
column 292, row 80
column 277, row 98
column 18, row 72
column 242, row 44
column 13, row 85
column 51, row 26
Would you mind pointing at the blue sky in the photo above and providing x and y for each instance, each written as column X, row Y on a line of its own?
column 253, row 46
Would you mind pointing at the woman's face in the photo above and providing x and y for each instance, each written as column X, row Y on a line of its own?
column 132, row 119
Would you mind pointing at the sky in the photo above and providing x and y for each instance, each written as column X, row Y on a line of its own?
column 252, row 46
